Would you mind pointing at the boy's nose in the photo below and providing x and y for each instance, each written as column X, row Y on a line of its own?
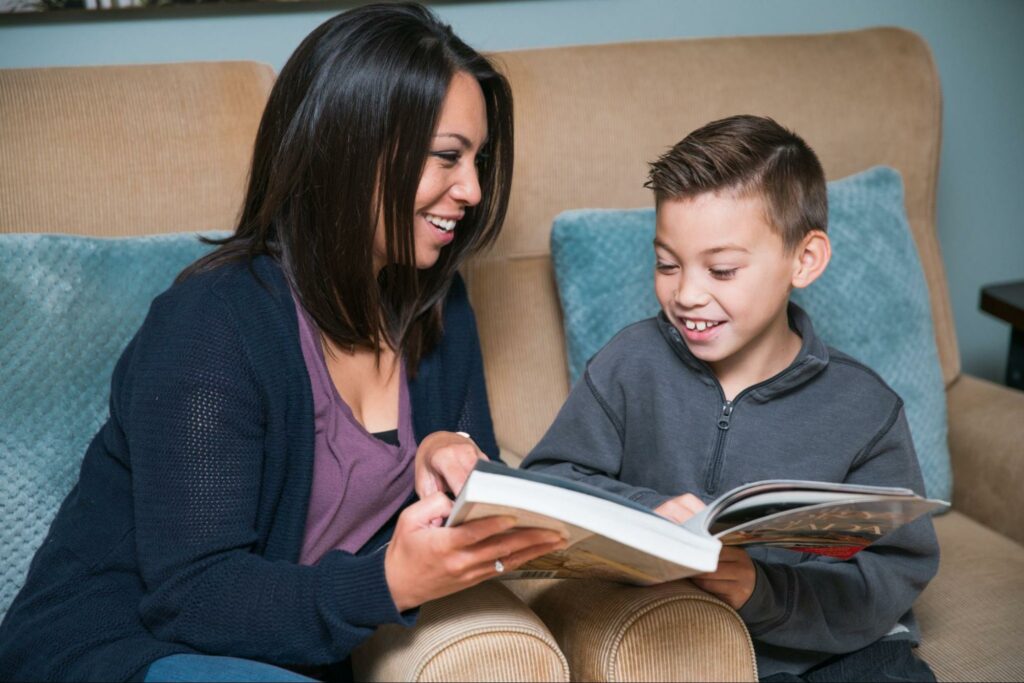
column 690, row 295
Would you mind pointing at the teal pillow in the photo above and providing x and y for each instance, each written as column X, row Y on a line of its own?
column 604, row 259
column 69, row 307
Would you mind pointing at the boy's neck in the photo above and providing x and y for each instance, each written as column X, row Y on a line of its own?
column 759, row 361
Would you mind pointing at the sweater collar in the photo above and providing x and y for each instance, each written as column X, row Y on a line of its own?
column 811, row 360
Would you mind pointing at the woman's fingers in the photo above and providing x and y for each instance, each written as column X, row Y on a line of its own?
column 427, row 482
column 444, row 461
column 423, row 512
column 454, row 465
column 488, row 568
column 521, row 557
column 478, row 530
column 500, row 546
column 423, row 563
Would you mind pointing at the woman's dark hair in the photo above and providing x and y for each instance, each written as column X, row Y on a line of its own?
column 342, row 144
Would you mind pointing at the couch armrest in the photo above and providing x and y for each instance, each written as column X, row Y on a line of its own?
column 670, row 632
column 986, row 444
column 484, row 633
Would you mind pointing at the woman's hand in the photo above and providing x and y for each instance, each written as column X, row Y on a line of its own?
column 681, row 508
column 443, row 461
column 734, row 579
column 425, row 562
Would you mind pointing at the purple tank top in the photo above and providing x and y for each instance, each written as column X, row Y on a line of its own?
column 359, row 481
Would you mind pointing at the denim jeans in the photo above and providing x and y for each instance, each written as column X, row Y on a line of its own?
column 193, row 668
column 888, row 661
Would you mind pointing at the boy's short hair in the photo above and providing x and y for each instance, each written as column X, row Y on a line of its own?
column 748, row 155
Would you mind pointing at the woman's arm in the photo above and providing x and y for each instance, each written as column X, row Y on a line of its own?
column 194, row 417
column 195, row 421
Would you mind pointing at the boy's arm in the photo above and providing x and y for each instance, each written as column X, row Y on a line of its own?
column 810, row 602
column 584, row 443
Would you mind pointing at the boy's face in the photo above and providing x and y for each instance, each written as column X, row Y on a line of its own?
column 723, row 279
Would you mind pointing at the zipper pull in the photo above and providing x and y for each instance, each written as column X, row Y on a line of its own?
column 723, row 419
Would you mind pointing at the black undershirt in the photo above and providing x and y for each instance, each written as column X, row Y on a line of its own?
column 389, row 437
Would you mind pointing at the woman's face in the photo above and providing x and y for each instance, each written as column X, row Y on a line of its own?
column 449, row 182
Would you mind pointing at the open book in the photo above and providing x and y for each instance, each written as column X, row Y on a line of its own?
column 612, row 537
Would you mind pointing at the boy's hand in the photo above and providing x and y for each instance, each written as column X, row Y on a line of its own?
column 681, row 508
column 734, row 579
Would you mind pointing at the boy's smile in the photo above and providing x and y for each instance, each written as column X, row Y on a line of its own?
column 723, row 278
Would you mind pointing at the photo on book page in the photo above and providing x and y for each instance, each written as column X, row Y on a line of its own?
column 837, row 530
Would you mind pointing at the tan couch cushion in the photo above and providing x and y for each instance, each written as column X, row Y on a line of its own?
column 523, row 345
column 972, row 613
column 127, row 150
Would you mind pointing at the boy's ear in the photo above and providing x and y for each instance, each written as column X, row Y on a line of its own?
column 810, row 258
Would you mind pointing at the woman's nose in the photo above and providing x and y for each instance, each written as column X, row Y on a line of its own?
column 466, row 188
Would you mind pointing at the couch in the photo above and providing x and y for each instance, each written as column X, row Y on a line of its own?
column 121, row 151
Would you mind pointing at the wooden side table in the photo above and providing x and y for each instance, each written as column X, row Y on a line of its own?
column 1006, row 302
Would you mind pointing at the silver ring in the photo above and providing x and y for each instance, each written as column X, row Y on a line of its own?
column 499, row 566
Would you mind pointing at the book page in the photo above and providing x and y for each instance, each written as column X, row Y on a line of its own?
column 597, row 557
column 835, row 529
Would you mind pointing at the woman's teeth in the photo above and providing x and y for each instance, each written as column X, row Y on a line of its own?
column 700, row 325
column 443, row 224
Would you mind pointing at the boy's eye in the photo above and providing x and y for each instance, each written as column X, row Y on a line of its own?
column 723, row 273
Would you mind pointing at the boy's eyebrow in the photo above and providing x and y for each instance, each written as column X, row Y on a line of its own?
column 724, row 247
column 658, row 244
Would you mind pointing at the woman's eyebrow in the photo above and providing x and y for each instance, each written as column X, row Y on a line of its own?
column 461, row 138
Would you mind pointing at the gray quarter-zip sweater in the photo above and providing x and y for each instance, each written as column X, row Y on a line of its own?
column 648, row 420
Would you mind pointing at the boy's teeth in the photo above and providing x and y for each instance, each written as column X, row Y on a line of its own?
column 700, row 326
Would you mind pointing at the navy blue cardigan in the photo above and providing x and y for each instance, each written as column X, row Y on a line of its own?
column 183, row 532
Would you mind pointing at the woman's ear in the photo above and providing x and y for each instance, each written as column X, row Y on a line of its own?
column 811, row 258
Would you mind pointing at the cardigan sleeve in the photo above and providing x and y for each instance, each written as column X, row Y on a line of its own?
column 192, row 411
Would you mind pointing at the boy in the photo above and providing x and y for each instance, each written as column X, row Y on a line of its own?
column 729, row 384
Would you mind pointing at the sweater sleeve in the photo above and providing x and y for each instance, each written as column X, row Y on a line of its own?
column 810, row 602
column 194, row 419
column 585, row 443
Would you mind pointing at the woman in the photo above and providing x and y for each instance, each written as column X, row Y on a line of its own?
column 262, row 443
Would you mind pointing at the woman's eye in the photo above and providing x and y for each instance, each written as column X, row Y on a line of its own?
column 663, row 267
column 723, row 273
column 449, row 158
